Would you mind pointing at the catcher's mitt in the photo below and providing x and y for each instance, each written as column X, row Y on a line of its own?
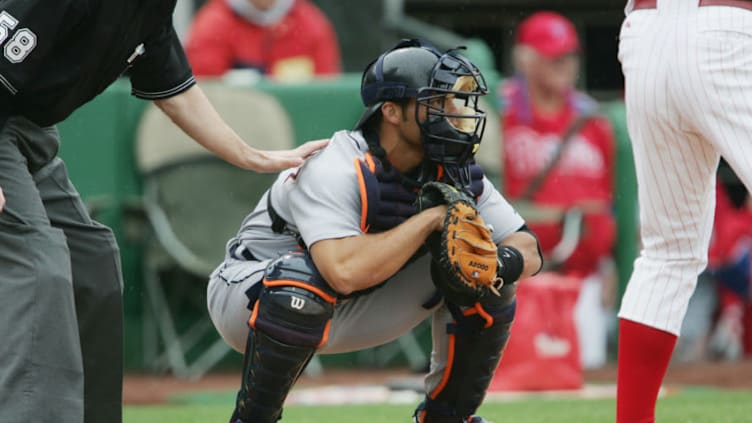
column 465, row 261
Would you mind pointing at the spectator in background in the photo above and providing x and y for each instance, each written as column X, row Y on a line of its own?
column 289, row 40
column 730, row 266
column 718, row 322
column 539, row 105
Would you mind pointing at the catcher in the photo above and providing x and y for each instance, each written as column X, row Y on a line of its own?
column 392, row 223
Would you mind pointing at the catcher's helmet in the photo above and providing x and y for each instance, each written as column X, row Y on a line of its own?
column 447, row 85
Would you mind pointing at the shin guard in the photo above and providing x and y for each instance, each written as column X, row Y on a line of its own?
column 290, row 321
column 477, row 338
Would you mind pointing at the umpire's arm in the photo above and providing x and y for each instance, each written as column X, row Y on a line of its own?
column 195, row 115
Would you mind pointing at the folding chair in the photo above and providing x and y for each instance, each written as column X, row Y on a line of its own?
column 194, row 203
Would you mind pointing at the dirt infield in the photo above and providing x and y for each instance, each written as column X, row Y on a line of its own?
column 150, row 389
column 718, row 374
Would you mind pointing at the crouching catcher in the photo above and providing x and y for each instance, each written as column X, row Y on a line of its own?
column 391, row 224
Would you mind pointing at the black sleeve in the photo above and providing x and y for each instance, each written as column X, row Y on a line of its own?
column 163, row 71
column 28, row 32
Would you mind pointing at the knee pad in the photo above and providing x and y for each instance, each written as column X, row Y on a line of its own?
column 296, row 305
column 289, row 322
column 478, row 336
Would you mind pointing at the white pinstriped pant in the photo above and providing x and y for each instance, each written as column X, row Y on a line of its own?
column 688, row 73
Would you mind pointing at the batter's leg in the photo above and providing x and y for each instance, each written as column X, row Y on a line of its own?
column 675, row 174
column 722, row 94
column 97, row 283
column 675, row 170
column 676, row 193
column 41, row 376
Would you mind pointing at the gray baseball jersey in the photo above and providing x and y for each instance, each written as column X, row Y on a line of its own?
column 321, row 200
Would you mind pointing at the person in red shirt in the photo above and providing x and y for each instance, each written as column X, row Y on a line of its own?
column 538, row 106
column 730, row 266
column 284, row 39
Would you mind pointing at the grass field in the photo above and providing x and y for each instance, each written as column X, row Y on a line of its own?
column 690, row 405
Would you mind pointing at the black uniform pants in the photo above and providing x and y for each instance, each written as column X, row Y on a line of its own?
column 60, row 291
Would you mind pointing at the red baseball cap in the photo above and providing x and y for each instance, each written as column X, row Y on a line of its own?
column 549, row 33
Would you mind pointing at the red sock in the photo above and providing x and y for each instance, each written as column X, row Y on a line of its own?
column 644, row 354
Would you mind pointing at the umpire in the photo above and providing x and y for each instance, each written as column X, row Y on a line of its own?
column 60, row 278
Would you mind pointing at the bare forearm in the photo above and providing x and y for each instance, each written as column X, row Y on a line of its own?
column 360, row 262
column 195, row 115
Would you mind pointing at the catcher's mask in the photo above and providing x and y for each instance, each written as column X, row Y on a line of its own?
column 447, row 87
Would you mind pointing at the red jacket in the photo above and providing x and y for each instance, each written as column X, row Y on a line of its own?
column 302, row 44
column 582, row 174
column 731, row 227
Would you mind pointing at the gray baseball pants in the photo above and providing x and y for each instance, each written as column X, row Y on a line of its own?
column 60, row 291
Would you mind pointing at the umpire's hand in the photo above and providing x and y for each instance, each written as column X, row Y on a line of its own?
column 2, row 199
column 276, row 160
